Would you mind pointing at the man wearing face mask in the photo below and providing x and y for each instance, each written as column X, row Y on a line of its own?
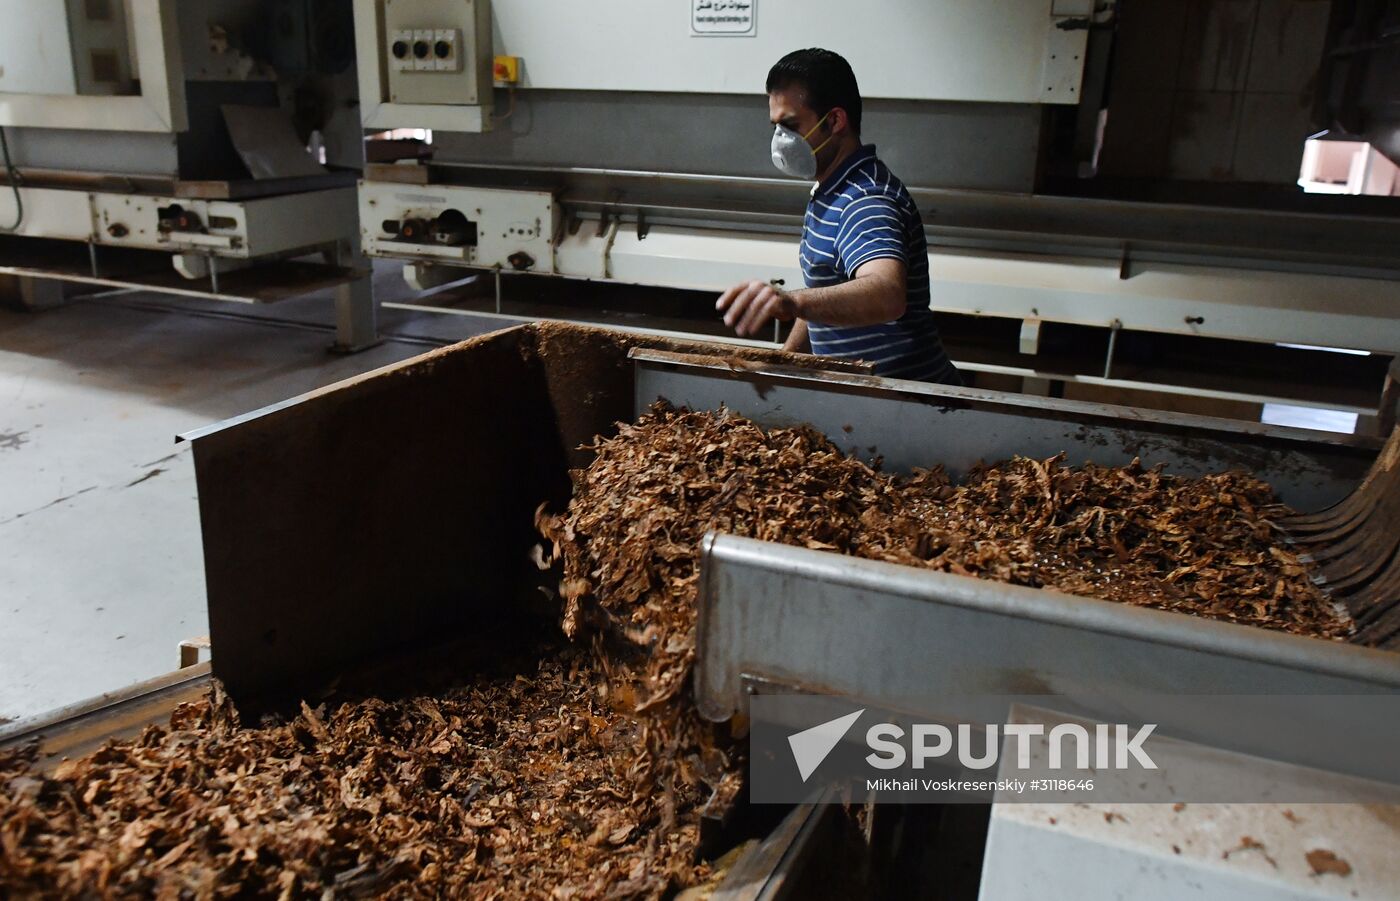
column 864, row 256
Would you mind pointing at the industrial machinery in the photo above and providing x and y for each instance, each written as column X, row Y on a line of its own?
column 1109, row 189
column 429, row 541
column 164, row 145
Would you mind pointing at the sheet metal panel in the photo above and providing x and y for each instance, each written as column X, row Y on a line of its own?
column 1070, row 852
column 939, row 644
column 128, row 153
column 980, row 146
column 387, row 511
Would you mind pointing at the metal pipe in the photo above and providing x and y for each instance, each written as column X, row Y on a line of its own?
column 1114, row 328
column 621, row 173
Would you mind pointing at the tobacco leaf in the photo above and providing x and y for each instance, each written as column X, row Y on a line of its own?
column 1323, row 861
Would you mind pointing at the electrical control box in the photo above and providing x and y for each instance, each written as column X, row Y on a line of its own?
column 461, row 226
column 438, row 51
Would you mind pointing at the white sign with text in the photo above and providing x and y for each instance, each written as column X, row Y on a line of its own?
column 723, row 18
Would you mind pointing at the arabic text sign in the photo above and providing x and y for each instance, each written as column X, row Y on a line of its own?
column 723, row 18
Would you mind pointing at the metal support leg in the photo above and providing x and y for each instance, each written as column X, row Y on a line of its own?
column 32, row 294
column 498, row 290
column 213, row 273
column 92, row 258
column 356, row 310
column 1030, row 336
column 356, row 316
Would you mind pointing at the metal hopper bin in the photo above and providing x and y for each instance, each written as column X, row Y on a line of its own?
column 356, row 527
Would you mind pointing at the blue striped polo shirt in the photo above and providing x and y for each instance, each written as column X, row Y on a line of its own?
column 863, row 213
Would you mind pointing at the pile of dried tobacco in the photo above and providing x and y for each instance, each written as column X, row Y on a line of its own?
column 1201, row 546
column 514, row 787
column 629, row 540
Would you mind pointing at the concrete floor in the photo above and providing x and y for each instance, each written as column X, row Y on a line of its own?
column 101, row 569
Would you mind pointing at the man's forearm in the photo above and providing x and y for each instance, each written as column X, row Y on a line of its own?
column 797, row 341
column 875, row 295
column 870, row 300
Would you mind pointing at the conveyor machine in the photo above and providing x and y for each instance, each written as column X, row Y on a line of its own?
column 163, row 145
column 359, row 526
column 629, row 145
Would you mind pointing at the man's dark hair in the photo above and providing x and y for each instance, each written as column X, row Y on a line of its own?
column 825, row 77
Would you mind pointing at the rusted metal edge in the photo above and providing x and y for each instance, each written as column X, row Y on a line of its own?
column 79, row 180
column 397, row 173
column 735, row 364
column 410, row 363
column 634, row 353
column 253, row 188
column 34, row 727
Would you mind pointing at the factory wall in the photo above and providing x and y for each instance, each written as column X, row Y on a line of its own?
column 1213, row 90
column 933, row 144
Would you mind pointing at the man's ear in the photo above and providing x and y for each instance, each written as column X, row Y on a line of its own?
column 838, row 121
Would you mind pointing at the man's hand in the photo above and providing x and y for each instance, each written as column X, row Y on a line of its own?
column 749, row 306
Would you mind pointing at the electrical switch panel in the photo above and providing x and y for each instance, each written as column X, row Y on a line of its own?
column 438, row 51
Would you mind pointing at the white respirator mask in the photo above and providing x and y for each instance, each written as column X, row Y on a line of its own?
column 793, row 155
